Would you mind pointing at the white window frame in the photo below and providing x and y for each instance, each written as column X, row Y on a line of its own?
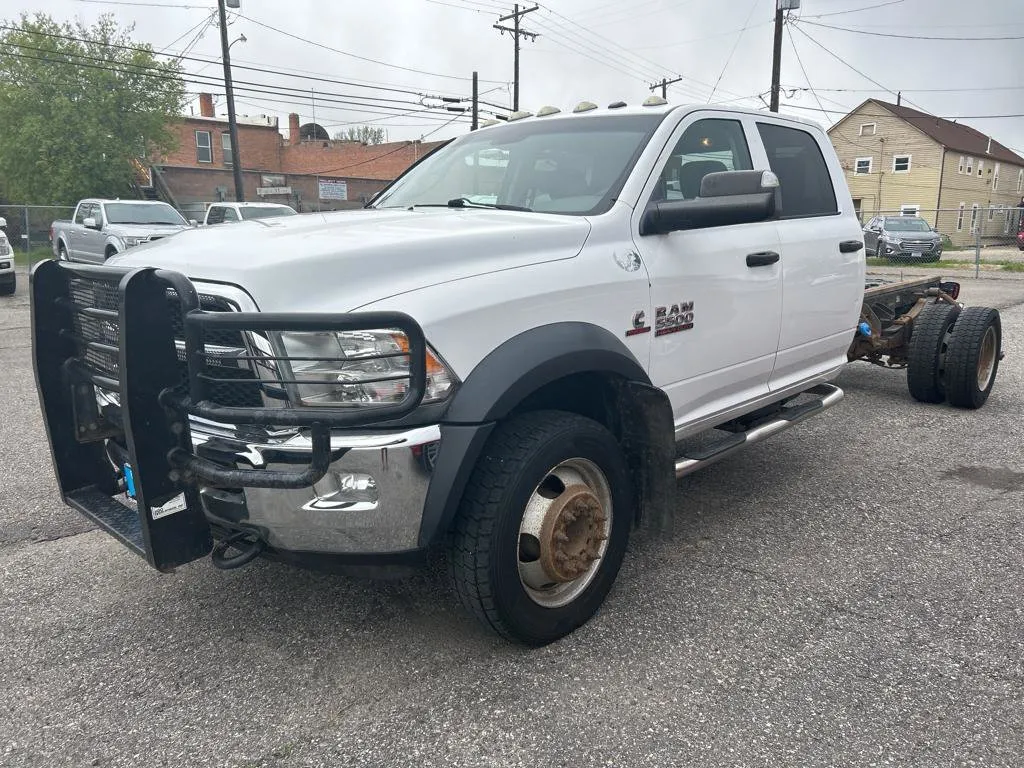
column 858, row 161
column 1007, row 219
column 960, row 168
column 227, row 151
column 995, row 178
column 909, row 209
column 981, row 168
column 874, row 129
column 1020, row 180
column 895, row 157
column 208, row 146
column 970, row 165
column 960, row 217
column 974, row 218
column 992, row 211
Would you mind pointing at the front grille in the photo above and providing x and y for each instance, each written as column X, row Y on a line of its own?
column 922, row 246
column 242, row 391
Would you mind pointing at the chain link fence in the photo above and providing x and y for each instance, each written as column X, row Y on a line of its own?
column 988, row 237
column 28, row 229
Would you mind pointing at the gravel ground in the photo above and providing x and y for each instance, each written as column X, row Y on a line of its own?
column 847, row 593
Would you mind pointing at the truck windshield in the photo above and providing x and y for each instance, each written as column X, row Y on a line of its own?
column 131, row 213
column 573, row 166
column 266, row 211
column 906, row 224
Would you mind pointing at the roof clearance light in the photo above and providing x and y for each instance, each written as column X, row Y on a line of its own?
column 654, row 101
column 519, row 115
column 544, row 111
column 486, row 123
column 585, row 106
column 616, row 105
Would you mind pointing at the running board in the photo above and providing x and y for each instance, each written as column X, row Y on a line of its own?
column 828, row 395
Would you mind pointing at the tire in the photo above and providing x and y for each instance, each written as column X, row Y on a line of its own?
column 973, row 358
column 528, row 478
column 929, row 339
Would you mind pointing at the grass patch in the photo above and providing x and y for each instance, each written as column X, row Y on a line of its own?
column 1014, row 266
column 1004, row 265
column 33, row 256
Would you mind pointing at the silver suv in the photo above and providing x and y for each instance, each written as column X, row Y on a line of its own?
column 902, row 238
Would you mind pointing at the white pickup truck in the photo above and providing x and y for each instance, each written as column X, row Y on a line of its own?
column 503, row 356
column 103, row 228
column 228, row 213
column 8, row 278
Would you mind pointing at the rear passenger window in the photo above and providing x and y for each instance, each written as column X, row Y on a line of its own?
column 796, row 159
column 216, row 215
column 707, row 146
column 230, row 214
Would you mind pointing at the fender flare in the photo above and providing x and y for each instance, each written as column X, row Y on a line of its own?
column 507, row 376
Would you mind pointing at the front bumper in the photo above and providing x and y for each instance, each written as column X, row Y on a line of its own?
column 157, row 467
column 911, row 251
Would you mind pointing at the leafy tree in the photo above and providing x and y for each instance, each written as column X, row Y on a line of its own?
column 78, row 106
column 367, row 134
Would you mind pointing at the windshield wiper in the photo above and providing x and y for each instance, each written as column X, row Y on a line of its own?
column 465, row 202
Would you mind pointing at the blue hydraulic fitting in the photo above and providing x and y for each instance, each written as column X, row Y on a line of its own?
column 865, row 329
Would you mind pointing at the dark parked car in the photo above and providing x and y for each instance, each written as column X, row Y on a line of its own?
column 902, row 238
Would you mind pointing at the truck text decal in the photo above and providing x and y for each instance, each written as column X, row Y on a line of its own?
column 678, row 317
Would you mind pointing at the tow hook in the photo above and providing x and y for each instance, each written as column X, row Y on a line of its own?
column 248, row 549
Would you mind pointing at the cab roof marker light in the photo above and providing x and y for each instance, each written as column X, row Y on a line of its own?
column 487, row 123
column 545, row 111
column 519, row 115
column 655, row 101
column 617, row 105
column 584, row 106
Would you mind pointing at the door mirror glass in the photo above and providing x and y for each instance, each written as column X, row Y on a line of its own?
column 726, row 197
column 3, row 223
column 90, row 222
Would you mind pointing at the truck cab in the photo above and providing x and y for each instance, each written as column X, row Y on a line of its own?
column 503, row 355
column 227, row 213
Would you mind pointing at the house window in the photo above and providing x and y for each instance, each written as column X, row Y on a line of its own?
column 981, row 166
column 995, row 178
column 970, row 165
column 1020, row 179
column 868, row 129
column 960, row 168
column 862, row 165
column 960, row 218
column 900, row 163
column 204, row 150
column 225, row 143
column 974, row 218
column 909, row 209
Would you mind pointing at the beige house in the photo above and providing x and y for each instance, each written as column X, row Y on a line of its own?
column 899, row 160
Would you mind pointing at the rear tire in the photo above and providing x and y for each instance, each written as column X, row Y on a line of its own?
column 547, row 489
column 973, row 358
column 928, row 346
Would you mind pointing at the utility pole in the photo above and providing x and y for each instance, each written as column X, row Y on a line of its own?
column 781, row 6
column 516, row 32
column 476, row 104
column 236, row 154
column 664, row 84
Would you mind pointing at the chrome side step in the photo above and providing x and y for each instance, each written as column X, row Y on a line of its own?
column 828, row 395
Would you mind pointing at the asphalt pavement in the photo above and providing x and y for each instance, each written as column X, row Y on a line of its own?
column 846, row 594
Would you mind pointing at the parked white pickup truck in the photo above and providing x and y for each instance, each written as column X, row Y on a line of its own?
column 503, row 356
column 102, row 228
column 227, row 213
column 8, row 278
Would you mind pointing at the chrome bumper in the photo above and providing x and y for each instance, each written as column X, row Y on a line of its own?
column 370, row 501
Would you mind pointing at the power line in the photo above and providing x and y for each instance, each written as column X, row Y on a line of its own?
column 517, row 32
column 910, row 37
column 799, row 61
column 735, row 45
column 908, row 118
column 854, row 10
column 145, row 5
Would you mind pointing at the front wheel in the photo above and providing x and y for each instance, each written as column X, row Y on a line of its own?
column 542, row 527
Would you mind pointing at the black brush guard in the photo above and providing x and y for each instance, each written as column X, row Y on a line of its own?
column 151, row 432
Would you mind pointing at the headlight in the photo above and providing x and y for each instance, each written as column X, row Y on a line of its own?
column 355, row 368
column 131, row 242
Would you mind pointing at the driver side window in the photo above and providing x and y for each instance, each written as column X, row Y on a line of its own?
column 707, row 146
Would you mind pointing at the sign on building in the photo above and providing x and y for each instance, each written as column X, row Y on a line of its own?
column 273, row 180
column 264, row 191
column 333, row 189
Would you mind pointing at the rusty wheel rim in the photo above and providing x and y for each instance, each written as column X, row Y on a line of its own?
column 987, row 358
column 564, row 533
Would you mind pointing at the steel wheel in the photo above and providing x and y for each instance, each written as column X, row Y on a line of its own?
column 564, row 533
column 987, row 358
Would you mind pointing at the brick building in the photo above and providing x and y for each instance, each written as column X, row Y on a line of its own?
column 308, row 174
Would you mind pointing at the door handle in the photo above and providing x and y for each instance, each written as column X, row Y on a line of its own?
column 850, row 246
column 762, row 258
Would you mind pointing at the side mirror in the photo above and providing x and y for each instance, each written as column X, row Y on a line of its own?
column 193, row 223
column 727, row 197
column 91, row 223
column 3, row 223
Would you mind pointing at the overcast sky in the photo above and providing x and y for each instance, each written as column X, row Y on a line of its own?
column 599, row 50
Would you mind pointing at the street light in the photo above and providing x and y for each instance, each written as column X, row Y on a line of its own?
column 236, row 154
column 239, row 39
